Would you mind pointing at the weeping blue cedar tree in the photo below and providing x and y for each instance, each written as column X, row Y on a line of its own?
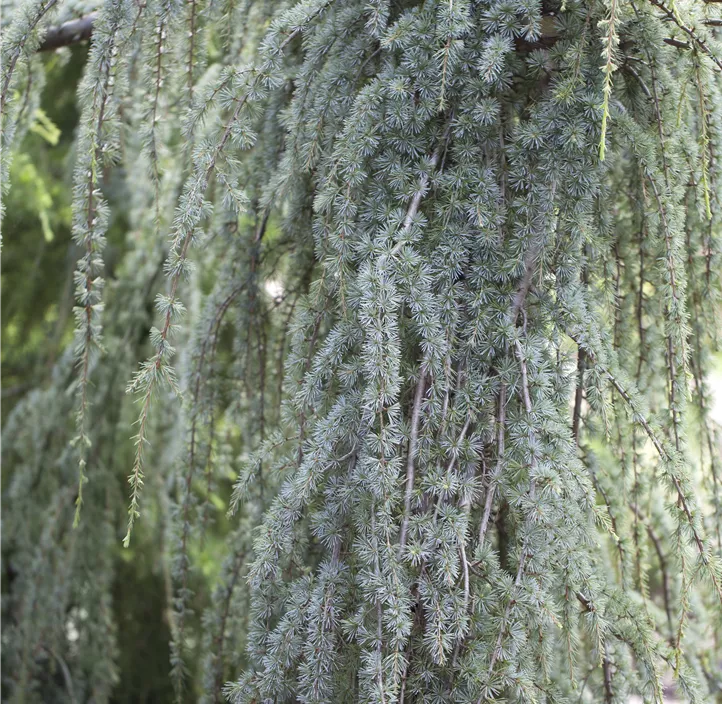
column 437, row 284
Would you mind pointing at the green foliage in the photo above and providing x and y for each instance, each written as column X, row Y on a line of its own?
column 415, row 305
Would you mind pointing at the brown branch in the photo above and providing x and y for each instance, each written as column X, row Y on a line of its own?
column 70, row 32
column 607, row 669
column 676, row 43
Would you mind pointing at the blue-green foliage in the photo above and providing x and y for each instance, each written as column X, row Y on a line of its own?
column 441, row 291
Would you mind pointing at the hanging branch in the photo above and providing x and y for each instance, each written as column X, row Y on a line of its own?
column 90, row 217
column 157, row 367
column 611, row 42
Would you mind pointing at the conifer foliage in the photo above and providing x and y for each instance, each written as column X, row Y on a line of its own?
column 432, row 292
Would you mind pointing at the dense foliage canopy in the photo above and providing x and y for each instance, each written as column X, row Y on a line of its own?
column 359, row 351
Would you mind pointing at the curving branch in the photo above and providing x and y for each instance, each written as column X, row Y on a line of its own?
column 70, row 32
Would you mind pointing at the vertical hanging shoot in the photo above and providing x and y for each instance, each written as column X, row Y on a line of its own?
column 98, row 146
column 610, row 42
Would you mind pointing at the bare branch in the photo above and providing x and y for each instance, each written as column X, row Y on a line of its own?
column 70, row 32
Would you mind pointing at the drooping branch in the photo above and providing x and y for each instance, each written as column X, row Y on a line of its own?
column 70, row 32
